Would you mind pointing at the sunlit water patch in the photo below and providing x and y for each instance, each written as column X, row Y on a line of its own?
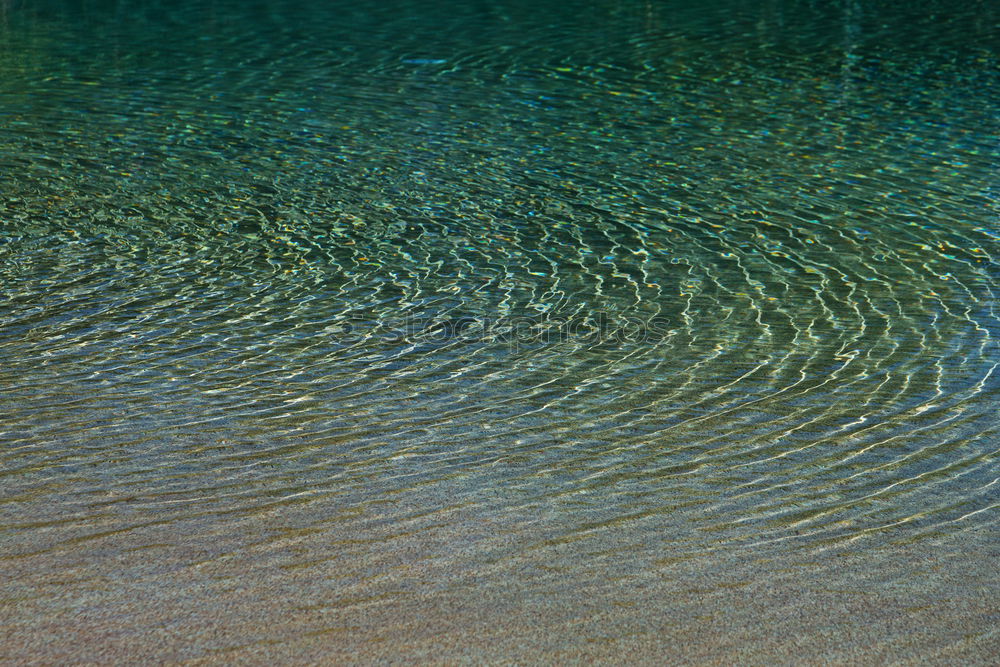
column 691, row 280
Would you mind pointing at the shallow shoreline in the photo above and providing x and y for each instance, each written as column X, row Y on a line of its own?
column 217, row 597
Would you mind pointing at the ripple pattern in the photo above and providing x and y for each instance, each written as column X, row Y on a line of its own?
column 702, row 269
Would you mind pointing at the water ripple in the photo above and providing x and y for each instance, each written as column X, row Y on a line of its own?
column 751, row 287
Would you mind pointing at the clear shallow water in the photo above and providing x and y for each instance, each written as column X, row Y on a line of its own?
column 623, row 283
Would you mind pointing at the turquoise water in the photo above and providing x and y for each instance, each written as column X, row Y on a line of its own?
column 288, row 287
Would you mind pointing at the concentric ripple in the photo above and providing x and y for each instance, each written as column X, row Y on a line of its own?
column 603, row 269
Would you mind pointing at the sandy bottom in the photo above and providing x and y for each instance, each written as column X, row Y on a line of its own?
column 260, row 588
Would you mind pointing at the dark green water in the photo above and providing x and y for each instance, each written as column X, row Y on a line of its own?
column 635, row 281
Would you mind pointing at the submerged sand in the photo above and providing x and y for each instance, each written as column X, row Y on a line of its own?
column 269, row 587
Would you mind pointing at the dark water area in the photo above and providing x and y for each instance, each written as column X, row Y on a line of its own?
column 327, row 315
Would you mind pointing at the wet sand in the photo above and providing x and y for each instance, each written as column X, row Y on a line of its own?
column 262, row 588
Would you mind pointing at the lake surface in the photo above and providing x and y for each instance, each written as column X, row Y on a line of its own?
column 331, row 327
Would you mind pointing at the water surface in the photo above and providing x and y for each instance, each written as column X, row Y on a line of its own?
column 414, row 301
